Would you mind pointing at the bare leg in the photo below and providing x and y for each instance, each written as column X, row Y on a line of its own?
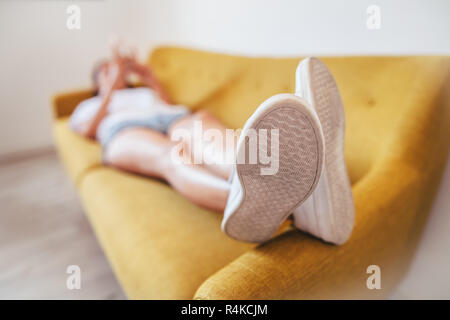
column 150, row 153
column 225, row 147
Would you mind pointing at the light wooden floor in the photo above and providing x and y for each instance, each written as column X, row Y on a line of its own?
column 42, row 231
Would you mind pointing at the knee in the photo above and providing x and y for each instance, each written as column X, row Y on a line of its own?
column 203, row 115
column 188, row 122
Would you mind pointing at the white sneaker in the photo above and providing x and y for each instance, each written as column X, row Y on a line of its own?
column 262, row 195
column 329, row 212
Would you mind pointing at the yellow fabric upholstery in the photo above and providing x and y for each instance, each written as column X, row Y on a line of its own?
column 162, row 246
column 77, row 153
column 63, row 104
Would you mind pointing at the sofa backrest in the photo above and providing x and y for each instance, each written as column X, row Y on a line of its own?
column 381, row 94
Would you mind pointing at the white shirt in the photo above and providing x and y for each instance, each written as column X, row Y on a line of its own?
column 124, row 103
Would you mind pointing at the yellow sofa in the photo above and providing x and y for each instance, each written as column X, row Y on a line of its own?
column 161, row 246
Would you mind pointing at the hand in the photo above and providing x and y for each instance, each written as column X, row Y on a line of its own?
column 133, row 65
column 116, row 75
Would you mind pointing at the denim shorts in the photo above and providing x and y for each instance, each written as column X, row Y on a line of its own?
column 158, row 121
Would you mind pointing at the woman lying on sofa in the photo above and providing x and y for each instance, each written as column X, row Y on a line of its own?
column 139, row 130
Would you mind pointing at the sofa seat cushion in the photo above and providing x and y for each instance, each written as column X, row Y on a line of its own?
column 160, row 245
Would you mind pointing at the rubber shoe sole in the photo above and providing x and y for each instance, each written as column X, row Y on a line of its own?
column 259, row 203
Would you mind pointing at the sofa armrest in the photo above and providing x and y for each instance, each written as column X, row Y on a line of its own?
column 297, row 266
column 392, row 202
column 63, row 104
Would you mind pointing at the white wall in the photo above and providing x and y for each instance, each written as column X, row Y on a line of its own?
column 326, row 27
column 40, row 56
